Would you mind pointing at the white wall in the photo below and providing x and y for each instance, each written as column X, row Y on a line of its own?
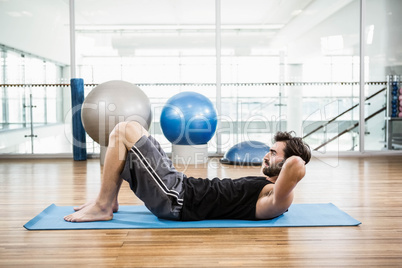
column 38, row 27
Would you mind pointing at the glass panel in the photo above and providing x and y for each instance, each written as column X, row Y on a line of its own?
column 299, row 64
column 47, row 127
column 27, row 110
column 167, row 43
column 383, row 49
column 32, row 114
column 14, row 68
column 3, row 103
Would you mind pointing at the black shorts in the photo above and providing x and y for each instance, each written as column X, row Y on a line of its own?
column 153, row 178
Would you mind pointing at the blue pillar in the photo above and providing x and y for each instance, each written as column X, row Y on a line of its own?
column 79, row 140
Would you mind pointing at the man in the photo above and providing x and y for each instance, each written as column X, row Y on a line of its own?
column 135, row 156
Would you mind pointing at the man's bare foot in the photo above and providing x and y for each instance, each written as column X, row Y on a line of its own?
column 91, row 212
column 115, row 206
column 84, row 205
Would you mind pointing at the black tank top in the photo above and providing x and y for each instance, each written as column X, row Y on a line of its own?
column 221, row 199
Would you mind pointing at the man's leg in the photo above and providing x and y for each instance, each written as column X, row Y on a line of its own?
column 122, row 138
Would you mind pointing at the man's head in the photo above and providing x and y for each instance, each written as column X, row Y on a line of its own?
column 285, row 145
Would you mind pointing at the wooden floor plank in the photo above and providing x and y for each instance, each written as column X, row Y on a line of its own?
column 369, row 189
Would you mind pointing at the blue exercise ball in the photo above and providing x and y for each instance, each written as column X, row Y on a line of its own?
column 248, row 153
column 188, row 118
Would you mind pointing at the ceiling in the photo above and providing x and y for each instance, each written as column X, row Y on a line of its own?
column 116, row 28
column 187, row 12
column 128, row 27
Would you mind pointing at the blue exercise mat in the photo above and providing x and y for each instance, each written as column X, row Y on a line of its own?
column 139, row 217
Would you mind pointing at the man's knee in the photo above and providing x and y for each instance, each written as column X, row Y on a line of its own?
column 128, row 133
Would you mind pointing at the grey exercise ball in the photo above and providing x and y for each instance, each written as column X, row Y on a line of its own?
column 110, row 103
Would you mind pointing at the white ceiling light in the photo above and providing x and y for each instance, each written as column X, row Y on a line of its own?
column 99, row 28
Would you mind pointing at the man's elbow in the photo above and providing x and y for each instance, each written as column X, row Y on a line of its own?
column 297, row 166
column 282, row 203
column 296, row 160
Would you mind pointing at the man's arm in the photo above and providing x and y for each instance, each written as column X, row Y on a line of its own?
column 279, row 200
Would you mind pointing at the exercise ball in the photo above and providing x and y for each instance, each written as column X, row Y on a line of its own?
column 110, row 103
column 188, row 118
column 246, row 153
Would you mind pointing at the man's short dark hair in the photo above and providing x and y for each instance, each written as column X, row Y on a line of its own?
column 294, row 145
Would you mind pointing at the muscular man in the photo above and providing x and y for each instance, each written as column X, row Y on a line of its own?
column 135, row 156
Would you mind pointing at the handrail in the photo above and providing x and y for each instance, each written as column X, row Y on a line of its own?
column 349, row 129
column 238, row 84
column 339, row 115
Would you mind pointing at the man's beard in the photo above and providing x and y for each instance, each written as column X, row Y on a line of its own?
column 273, row 171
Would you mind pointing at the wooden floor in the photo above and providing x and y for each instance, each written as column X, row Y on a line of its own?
column 369, row 189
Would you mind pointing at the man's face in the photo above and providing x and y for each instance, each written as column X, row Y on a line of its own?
column 273, row 160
